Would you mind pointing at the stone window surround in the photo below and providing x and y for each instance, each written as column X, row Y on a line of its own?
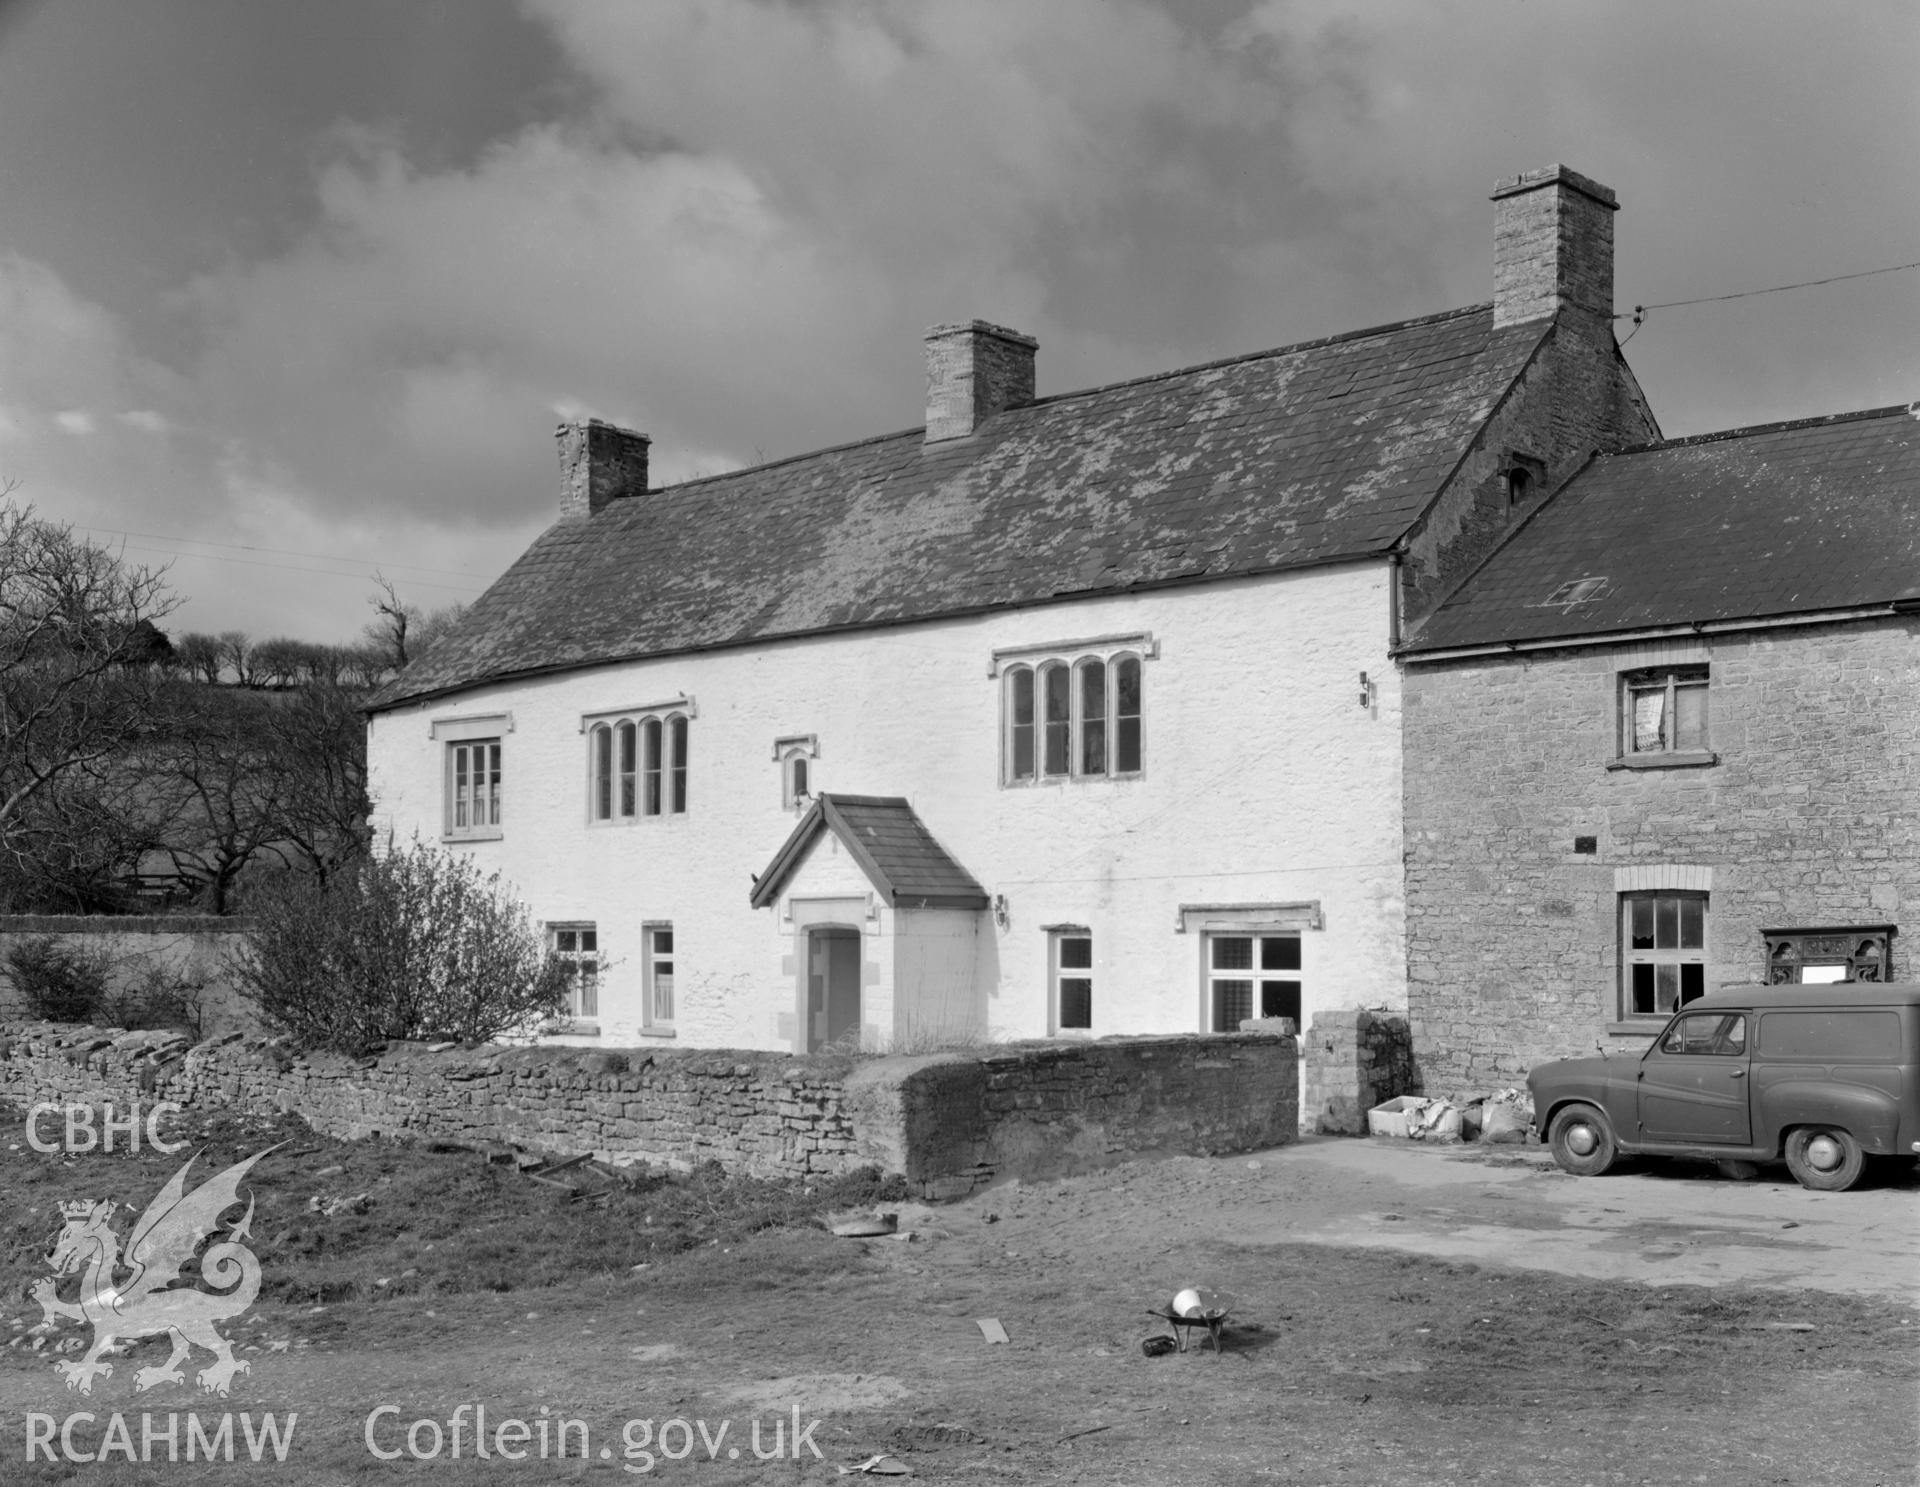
column 452, row 733
column 609, row 721
column 1009, row 662
column 795, row 753
column 1652, row 878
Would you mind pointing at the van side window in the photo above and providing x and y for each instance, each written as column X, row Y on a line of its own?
column 1857, row 1037
column 1722, row 1033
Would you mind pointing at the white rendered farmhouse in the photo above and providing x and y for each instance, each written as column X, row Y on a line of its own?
column 1063, row 716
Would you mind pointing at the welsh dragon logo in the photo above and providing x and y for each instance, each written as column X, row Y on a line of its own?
column 147, row 1301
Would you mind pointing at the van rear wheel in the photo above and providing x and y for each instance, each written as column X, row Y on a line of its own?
column 1824, row 1158
column 1582, row 1143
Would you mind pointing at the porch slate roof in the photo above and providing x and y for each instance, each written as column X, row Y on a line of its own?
column 893, row 847
column 1310, row 454
column 1821, row 514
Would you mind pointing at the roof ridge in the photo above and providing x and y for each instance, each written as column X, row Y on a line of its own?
column 1247, row 356
column 1751, row 429
column 1098, row 388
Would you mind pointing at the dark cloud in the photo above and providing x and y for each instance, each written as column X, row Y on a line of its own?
column 728, row 222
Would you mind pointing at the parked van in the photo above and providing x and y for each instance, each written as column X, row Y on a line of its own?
column 1823, row 1076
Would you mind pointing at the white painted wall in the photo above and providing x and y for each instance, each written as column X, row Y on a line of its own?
column 1265, row 780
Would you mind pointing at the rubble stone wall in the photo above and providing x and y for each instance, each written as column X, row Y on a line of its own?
column 1524, row 828
column 949, row 1122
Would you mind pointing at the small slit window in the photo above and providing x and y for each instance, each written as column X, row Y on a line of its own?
column 795, row 755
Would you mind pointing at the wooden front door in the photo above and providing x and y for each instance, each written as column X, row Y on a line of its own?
column 833, row 986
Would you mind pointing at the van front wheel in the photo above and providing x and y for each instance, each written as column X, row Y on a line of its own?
column 1824, row 1158
column 1582, row 1143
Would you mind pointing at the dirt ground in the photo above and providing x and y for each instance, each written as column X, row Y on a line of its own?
column 1402, row 1315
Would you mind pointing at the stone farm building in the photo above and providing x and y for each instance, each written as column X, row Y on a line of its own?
column 1668, row 737
column 1063, row 715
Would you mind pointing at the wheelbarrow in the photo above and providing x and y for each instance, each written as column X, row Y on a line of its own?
column 1209, row 1309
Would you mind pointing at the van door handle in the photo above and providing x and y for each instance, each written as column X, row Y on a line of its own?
column 1736, row 1073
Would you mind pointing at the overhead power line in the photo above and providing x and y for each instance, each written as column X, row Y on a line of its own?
column 288, row 552
column 1638, row 314
column 363, row 577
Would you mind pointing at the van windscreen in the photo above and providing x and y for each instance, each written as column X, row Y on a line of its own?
column 1872, row 1037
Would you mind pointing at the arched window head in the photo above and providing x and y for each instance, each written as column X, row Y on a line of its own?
column 1075, row 716
column 637, row 764
column 626, row 747
column 1056, row 703
column 1092, row 718
column 796, row 780
column 602, row 756
column 1020, row 723
column 1127, row 741
column 652, row 779
column 677, row 771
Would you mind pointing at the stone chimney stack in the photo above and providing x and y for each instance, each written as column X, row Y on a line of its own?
column 599, row 462
column 1552, row 247
column 974, row 371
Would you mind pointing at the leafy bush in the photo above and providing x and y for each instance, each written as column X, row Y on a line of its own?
column 62, row 981
column 412, row 943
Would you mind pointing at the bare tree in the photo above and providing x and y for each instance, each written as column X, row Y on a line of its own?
column 74, row 689
column 388, row 634
column 214, row 790
column 236, row 652
column 319, row 750
column 362, row 665
column 405, row 630
column 280, row 662
column 200, row 656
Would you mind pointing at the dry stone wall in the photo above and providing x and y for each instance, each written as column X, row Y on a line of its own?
column 950, row 1123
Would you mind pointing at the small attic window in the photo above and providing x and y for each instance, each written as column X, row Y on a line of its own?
column 795, row 755
column 1523, row 476
column 1577, row 591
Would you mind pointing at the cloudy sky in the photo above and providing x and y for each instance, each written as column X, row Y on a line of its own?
column 291, row 291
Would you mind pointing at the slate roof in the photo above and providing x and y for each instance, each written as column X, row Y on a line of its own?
column 1305, row 455
column 892, row 846
column 1797, row 518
